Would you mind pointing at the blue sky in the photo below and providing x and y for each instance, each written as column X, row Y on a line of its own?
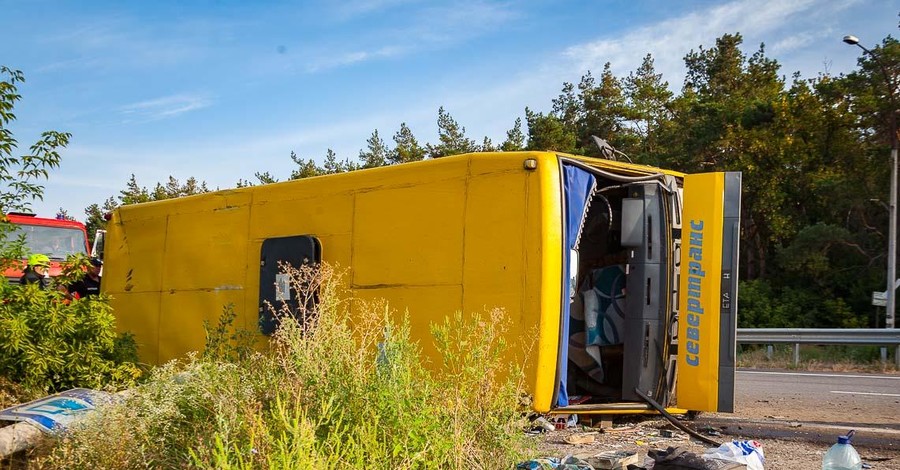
column 220, row 89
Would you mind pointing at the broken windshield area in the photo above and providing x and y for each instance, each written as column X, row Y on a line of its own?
column 55, row 242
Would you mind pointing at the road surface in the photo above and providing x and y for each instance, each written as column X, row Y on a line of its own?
column 866, row 400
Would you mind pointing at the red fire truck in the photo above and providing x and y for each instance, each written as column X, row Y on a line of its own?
column 53, row 237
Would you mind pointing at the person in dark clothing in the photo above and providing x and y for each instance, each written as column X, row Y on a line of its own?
column 36, row 271
column 90, row 284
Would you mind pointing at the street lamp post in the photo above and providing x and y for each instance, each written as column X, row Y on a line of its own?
column 892, row 227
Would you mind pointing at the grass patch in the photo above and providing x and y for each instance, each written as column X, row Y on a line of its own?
column 838, row 358
column 336, row 390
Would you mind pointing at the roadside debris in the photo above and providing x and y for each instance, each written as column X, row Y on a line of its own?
column 749, row 453
column 679, row 458
column 541, row 424
column 551, row 463
column 613, row 460
column 582, row 438
column 565, row 421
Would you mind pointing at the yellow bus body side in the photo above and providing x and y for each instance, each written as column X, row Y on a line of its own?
column 464, row 233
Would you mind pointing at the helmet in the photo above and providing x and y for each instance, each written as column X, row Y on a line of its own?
column 39, row 260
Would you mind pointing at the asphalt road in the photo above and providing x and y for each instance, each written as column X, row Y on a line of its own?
column 814, row 407
column 868, row 400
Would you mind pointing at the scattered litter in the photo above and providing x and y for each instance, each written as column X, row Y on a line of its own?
column 541, row 424
column 619, row 429
column 794, row 424
column 865, row 465
column 679, row 458
column 565, row 421
column 640, row 443
column 710, row 431
column 553, row 463
column 666, row 433
column 613, row 460
column 577, row 400
column 582, row 438
column 749, row 453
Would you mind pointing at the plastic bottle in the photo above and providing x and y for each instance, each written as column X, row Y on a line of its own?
column 842, row 456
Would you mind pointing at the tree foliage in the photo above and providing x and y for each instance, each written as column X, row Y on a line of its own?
column 813, row 153
column 452, row 138
column 20, row 174
column 134, row 193
column 48, row 343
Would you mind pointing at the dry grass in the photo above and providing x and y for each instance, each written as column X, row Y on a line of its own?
column 819, row 358
column 336, row 392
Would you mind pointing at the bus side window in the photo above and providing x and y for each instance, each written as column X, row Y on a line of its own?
column 275, row 291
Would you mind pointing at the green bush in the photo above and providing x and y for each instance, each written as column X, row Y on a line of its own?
column 335, row 390
column 48, row 343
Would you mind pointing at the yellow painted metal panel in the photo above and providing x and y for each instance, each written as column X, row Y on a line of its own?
column 550, row 191
column 425, row 305
column 138, row 313
column 181, row 318
column 134, row 255
column 511, row 163
column 494, row 230
column 410, row 236
column 204, row 250
column 306, row 213
column 700, row 292
column 404, row 232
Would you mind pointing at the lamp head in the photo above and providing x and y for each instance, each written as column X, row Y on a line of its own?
column 852, row 40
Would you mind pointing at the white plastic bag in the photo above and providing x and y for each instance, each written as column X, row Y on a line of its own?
column 749, row 453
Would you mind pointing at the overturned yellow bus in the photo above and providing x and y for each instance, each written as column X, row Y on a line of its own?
column 627, row 273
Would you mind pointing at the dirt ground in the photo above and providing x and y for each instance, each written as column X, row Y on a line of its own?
column 644, row 435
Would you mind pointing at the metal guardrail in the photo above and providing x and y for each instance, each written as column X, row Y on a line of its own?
column 798, row 336
column 861, row 336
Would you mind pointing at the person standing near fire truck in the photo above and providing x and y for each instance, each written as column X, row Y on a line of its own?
column 89, row 284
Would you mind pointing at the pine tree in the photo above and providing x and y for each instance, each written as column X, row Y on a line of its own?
column 548, row 133
column 648, row 111
column 376, row 153
column 305, row 168
column 515, row 139
column 487, row 145
column 451, row 136
column 407, row 148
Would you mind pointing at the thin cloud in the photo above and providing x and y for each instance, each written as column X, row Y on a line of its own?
column 354, row 8
column 797, row 41
column 424, row 29
column 670, row 40
column 351, row 58
column 165, row 107
column 115, row 41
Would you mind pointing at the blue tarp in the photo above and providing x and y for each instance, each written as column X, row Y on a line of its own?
column 578, row 185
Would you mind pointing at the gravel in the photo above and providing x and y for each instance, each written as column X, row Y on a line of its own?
column 644, row 435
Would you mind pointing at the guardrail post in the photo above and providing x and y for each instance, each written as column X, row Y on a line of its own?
column 769, row 351
column 796, row 354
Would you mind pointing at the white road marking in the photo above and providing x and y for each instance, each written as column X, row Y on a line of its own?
column 760, row 372
column 868, row 393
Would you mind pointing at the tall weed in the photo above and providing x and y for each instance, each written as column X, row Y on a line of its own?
column 343, row 386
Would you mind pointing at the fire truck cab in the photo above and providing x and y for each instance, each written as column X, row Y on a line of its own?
column 53, row 237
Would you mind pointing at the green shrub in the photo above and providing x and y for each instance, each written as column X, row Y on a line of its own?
column 48, row 343
column 335, row 391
